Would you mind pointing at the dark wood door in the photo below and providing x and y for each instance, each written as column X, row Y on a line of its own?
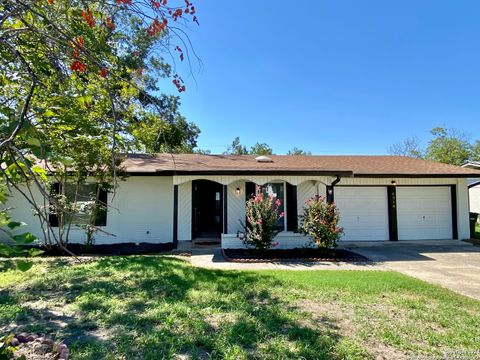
column 207, row 209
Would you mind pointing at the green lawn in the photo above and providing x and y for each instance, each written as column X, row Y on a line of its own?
column 160, row 307
column 477, row 231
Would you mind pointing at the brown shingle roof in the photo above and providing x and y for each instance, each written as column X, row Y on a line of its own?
column 357, row 165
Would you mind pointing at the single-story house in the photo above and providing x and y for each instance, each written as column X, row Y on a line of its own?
column 170, row 198
column 474, row 187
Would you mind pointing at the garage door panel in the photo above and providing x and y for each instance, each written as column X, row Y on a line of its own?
column 363, row 212
column 424, row 213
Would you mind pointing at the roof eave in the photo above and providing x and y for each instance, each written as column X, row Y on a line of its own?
column 343, row 173
column 245, row 172
column 407, row 175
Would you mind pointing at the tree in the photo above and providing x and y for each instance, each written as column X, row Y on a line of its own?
column 156, row 134
column 476, row 151
column 297, row 151
column 410, row 147
column 236, row 148
column 261, row 149
column 202, row 151
column 79, row 86
column 448, row 146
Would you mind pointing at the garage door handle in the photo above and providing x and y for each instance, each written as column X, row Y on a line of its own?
column 423, row 217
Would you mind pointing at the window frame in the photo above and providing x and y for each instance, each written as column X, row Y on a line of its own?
column 102, row 200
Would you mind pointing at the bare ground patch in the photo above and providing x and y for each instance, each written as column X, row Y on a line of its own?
column 342, row 320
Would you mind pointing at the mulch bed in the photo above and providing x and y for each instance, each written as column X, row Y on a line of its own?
column 473, row 241
column 292, row 255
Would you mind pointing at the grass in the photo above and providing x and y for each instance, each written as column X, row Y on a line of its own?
column 159, row 307
column 477, row 231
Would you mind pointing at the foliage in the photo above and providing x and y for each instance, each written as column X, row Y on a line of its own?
column 320, row 222
column 262, row 213
column 202, row 151
column 476, row 151
column 80, row 85
column 157, row 135
column 297, row 151
column 448, row 146
column 410, row 147
column 261, row 149
column 7, row 350
column 236, row 148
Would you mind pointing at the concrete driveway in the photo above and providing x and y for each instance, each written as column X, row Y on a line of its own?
column 452, row 264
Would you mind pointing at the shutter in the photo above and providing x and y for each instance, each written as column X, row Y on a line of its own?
column 52, row 216
column 101, row 216
column 292, row 219
column 249, row 190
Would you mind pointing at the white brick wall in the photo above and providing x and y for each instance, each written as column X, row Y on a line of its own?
column 142, row 211
column 286, row 240
column 236, row 206
column 185, row 211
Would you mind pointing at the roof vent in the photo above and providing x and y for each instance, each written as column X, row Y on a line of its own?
column 263, row 159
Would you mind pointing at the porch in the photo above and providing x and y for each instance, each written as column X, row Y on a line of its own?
column 209, row 209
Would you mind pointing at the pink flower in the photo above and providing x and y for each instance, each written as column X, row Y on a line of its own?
column 259, row 222
column 278, row 202
column 282, row 214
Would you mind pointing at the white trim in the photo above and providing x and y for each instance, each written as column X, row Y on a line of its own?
column 257, row 179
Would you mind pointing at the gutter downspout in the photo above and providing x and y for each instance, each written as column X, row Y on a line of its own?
column 330, row 190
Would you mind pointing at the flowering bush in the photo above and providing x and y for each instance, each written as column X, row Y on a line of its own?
column 262, row 217
column 320, row 222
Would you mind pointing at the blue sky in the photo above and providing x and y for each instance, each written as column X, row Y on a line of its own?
column 336, row 76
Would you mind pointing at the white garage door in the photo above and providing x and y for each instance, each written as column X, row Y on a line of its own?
column 424, row 213
column 363, row 212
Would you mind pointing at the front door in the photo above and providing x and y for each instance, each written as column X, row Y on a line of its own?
column 207, row 209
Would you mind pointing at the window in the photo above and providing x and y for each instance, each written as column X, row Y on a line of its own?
column 278, row 191
column 88, row 199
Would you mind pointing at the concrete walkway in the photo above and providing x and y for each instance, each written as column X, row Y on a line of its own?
column 213, row 259
column 452, row 264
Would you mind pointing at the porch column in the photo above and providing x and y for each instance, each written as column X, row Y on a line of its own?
column 175, row 216
column 392, row 212
column 453, row 192
column 225, row 208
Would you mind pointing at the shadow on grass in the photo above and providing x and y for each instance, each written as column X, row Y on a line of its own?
column 160, row 307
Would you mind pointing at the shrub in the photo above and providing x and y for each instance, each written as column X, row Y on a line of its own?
column 262, row 216
column 320, row 222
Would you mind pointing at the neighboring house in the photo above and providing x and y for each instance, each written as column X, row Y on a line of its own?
column 474, row 194
column 182, row 197
column 474, row 187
